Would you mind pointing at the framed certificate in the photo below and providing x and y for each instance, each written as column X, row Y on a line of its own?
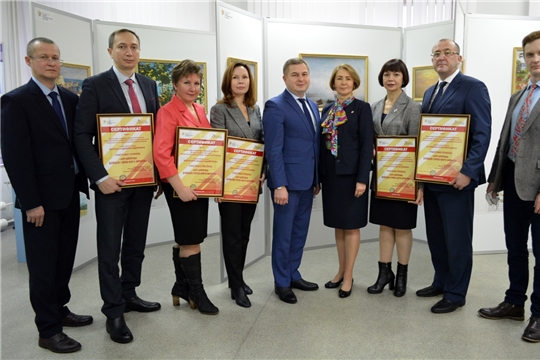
column 125, row 147
column 243, row 170
column 200, row 159
column 442, row 147
column 395, row 164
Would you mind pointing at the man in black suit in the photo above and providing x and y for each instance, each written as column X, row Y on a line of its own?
column 39, row 157
column 120, row 212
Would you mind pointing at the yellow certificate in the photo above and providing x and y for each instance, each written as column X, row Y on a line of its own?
column 442, row 147
column 395, row 165
column 125, row 147
column 243, row 169
column 200, row 159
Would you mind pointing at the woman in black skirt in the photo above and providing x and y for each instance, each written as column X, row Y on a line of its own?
column 396, row 114
column 345, row 162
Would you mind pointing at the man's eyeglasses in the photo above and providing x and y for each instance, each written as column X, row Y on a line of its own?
column 448, row 53
column 46, row 59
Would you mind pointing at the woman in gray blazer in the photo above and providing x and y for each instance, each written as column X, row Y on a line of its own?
column 396, row 114
column 238, row 113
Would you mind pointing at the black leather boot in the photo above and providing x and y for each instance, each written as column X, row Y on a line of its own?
column 181, row 286
column 197, row 296
column 386, row 276
column 401, row 280
column 239, row 294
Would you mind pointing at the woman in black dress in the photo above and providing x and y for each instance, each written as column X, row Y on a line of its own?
column 396, row 114
column 345, row 162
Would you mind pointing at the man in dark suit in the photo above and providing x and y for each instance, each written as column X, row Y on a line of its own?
column 291, row 125
column 449, row 209
column 38, row 153
column 516, row 171
column 119, row 212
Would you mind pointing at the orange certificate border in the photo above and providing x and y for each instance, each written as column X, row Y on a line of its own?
column 231, row 197
column 401, row 180
column 144, row 158
column 442, row 169
column 199, row 166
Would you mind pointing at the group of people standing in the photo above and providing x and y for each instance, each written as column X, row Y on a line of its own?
column 50, row 150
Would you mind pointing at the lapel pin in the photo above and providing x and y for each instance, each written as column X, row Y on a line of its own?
column 352, row 112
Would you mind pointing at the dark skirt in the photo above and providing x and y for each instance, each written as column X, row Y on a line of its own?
column 392, row 213
column 189, row 219
column 341, row 209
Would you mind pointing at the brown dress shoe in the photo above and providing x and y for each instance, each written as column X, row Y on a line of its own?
column 503, row 311
column 60, row 343
column 532, row 331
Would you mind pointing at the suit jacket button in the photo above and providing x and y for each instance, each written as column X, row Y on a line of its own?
column 71, row 166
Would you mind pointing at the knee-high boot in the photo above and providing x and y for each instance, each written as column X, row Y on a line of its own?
column 197, row 296
column 401, row 280
column 386, row 276
column 181, row 286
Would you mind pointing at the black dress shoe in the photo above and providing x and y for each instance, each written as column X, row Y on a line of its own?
column 74, row 320
column 333, row 285
column 60, row 343
column 429, row 291
column 140, row 305
column 119, row 330
column 247, row 289
column 532, row 331
column 445, row 306
column 239, row 295
column 344, row 294
column 304, row 285
column 286, row 294
column 503, row 311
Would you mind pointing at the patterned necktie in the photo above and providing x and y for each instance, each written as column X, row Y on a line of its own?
column 306, row 112
column 520, row 124
column 58, row 109
column 439, row 95
column 133, row 97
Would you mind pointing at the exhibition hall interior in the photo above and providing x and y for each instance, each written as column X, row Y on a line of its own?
column 264, row 34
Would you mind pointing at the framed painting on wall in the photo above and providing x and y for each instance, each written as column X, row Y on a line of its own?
column 320, row 69
column 72, row 76
column 520, row 72
column 160, row 71
column 253, row 67
column 423, row 77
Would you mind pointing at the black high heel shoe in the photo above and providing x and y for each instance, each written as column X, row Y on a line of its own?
column 333, row 285
column 344, row 294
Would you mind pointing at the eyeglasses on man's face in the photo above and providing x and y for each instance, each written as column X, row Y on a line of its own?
column 447, row 53
column 46, row 59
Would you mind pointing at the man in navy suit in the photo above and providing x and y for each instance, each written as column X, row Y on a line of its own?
column 449, row 209
column 291, row 125
column 516, row 171
column 39, row 156
column 120, row 212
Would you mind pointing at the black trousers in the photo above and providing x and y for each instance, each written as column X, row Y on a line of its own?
column 50, row 254
column 236, row 221
column 122, row 224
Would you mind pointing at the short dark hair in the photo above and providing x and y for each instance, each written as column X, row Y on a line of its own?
column 119, row 31
column 185, row 68
column 228, row 97
column 352, row 72
column 31, row 47
column 535, row 35
column 293, row 61
column 455, row 43
column 395, row 65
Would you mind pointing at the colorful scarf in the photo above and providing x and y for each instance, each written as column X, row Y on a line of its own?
column 335, row 118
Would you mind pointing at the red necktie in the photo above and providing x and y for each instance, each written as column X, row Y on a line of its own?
column 133, row 97
column 520, row 124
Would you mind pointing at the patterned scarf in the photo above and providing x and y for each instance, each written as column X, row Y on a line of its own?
column 335, row 118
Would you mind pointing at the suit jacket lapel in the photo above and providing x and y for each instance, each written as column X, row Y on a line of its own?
column 427, row 99
column 397, row 109
column 46, row 106
column 117, row 89
column 238, row 118
column 452, row 87
column 68, row 109
column 292, row 102
column 147, row 93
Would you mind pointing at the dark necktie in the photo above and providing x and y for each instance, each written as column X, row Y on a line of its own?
column 439, row 95
column 307, row 113
column 58, row 109
column 133, row 97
